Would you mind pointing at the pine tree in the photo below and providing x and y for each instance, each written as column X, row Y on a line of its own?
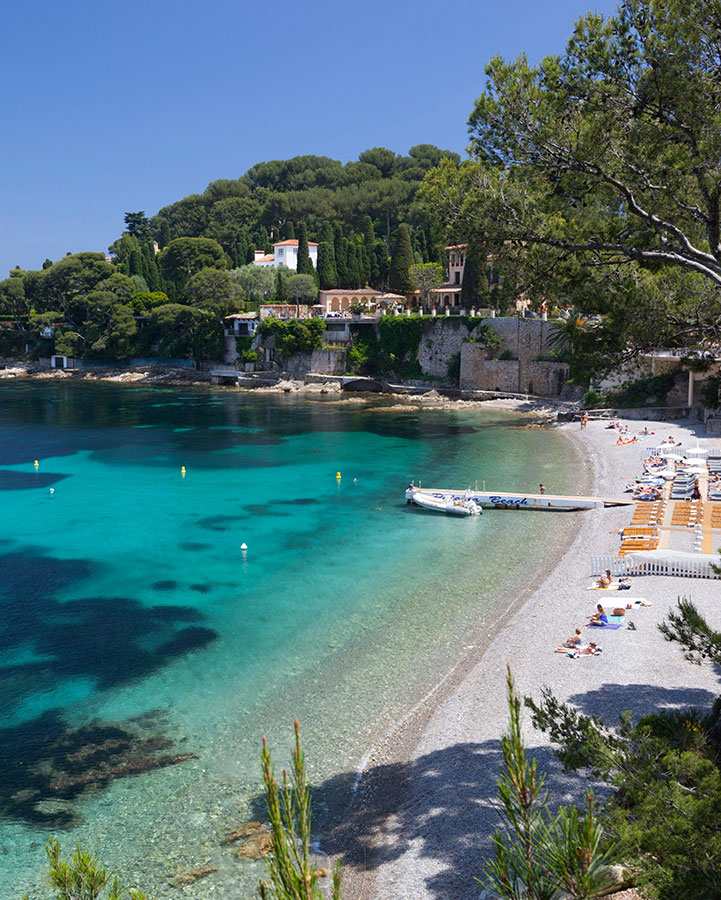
column 304, row 266
column 327, row 274
column 398, row 278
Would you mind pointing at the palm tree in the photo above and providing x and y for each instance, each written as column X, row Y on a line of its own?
column 565, row 334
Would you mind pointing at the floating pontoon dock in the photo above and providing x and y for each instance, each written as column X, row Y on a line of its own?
column 512, row 500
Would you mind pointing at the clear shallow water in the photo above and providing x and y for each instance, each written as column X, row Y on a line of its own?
column 133, row 626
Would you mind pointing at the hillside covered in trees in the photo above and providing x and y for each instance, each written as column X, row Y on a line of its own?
column 170, row 300
column 272, row 199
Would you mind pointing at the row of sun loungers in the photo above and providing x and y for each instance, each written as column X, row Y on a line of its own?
column 714, row 467
column 649, row 513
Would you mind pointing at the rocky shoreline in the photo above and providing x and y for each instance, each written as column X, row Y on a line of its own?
column 404, row 396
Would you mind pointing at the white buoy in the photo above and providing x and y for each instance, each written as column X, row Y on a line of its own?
column 52, row 490
column 244, row 546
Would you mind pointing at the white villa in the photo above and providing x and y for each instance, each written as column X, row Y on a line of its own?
column 285, row 253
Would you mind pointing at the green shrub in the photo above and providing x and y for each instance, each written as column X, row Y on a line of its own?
column 294, row 335
column 363, row 355
column 710, row 392
column 506, row 355
column 592, row 398
column 637, row 393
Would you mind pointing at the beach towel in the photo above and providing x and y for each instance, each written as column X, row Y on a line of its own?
column 610, row 627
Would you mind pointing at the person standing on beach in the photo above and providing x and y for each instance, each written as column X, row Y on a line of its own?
column 584, row 420
column 542, row 488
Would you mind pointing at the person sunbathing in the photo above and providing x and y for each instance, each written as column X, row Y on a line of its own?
column 598, row 618
column 592, row 650
column 575, row 641
column 605, row 579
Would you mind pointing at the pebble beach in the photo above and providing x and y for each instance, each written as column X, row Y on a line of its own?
column 425, row 812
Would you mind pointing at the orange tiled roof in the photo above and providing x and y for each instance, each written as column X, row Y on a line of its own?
column 292, row 243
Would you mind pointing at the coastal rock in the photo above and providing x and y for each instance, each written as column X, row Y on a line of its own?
column 193, row 876
column 244, row 831
column 256, row 846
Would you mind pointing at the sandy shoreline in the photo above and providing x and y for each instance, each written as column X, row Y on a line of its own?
column 423, row 815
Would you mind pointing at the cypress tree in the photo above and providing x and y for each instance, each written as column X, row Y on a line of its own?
column 135, row 262
column 350, row 266
column 369, row 235
column 365, row 265
column 150, row 267
column 165, row 236
column 153, row 278
column 341, row 255
column 281, row 295
column 327, row 274
column 241, row 248
column 287, row 232
column 304, row 266
column 326, row 233
column 398, row 278
column 382, row 264
column 469, row 285
column 250, row 253
column 375, row 274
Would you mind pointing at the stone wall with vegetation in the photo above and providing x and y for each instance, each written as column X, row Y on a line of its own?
column 521, row 375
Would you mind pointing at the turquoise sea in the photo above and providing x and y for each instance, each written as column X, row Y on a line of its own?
column 137, row 633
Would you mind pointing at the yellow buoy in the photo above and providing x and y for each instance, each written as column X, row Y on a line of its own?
column 182, row 471
column 337, row 475
column 36, row 464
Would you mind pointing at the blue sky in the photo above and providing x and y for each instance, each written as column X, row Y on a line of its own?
column 127, row 106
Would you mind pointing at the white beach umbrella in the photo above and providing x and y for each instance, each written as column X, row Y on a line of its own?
column 697, row 451
column 674, row 456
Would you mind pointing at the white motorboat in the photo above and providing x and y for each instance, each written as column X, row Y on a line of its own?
column 459, row 506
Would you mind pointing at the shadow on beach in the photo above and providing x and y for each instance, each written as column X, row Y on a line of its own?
column 441, row 807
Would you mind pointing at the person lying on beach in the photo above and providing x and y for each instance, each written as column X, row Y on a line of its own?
column 575, row 640
column 605, row 579
column 591, row 650
column 598, row 618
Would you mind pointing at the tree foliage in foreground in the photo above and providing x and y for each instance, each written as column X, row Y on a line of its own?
column 665, row 812
column 292, row 875
column 596, row 175
column 537, row 855
column 83, row 878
